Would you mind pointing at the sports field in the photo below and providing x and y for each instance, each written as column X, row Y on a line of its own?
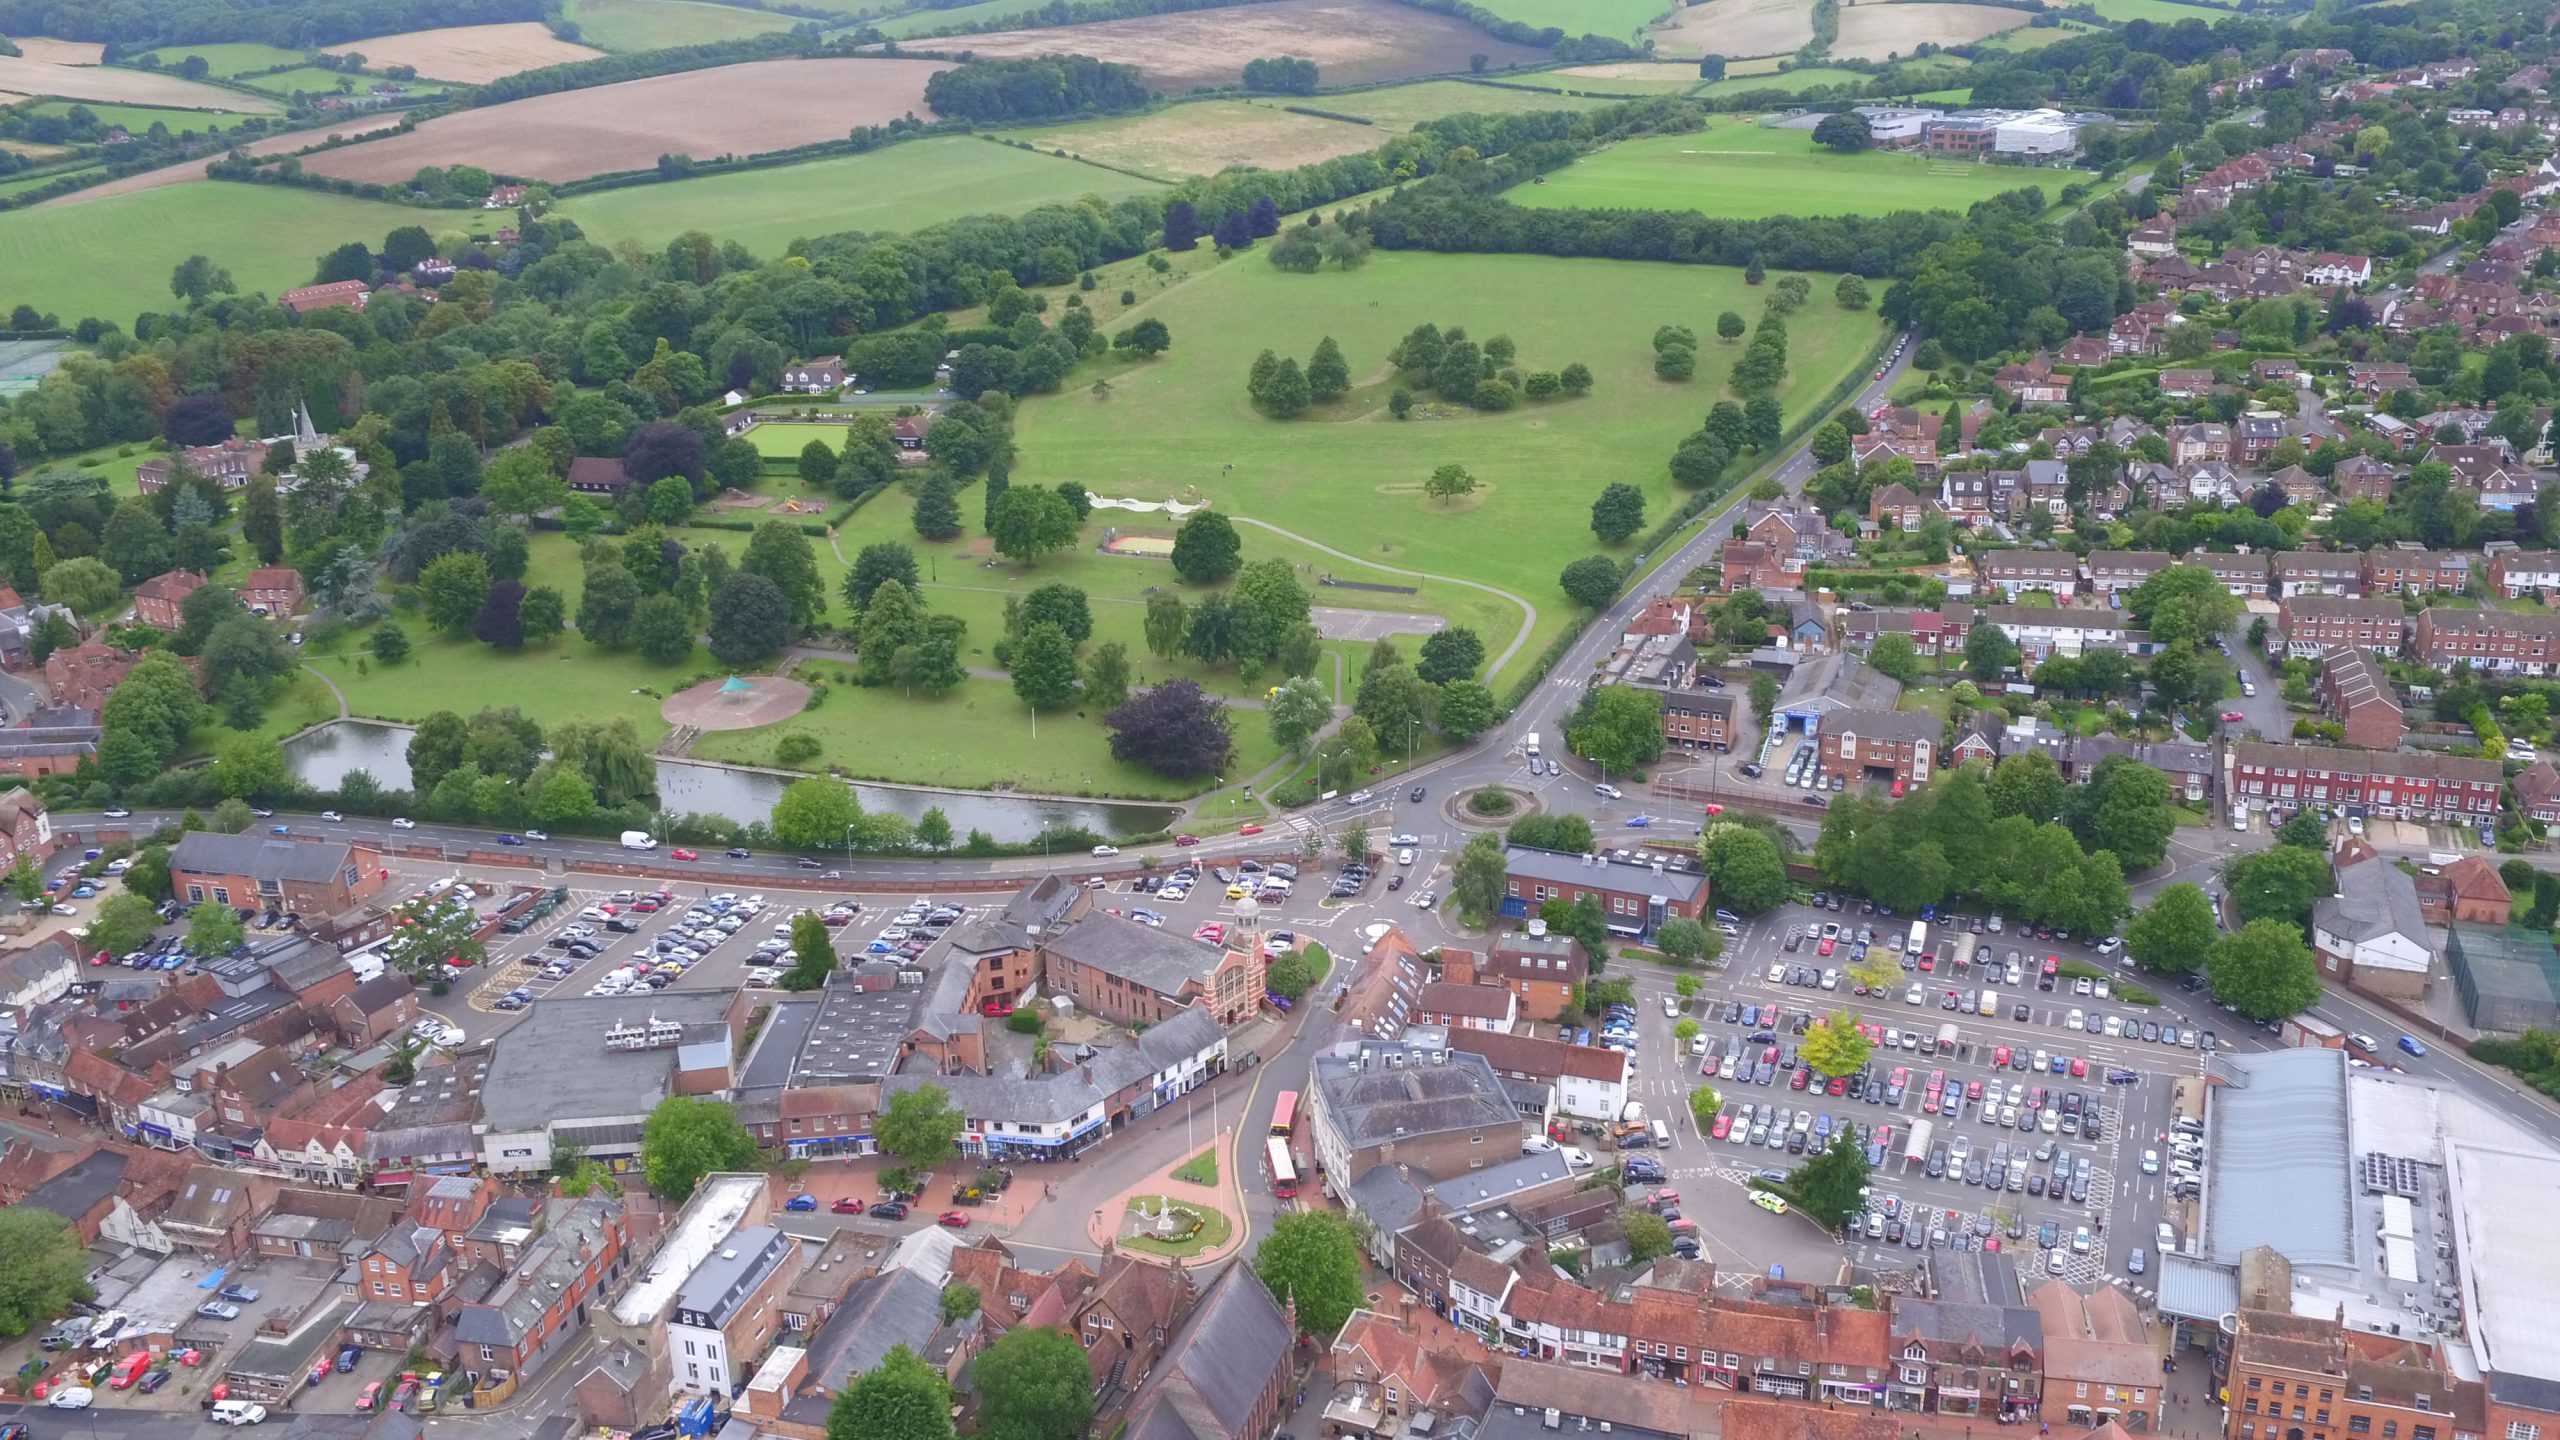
column 111, row 258
column 231, row 58
column 2164, row 12
column 903, row 187
column 660, row 24
column 138, row 119
column 1351, row 477
column 1743, row 172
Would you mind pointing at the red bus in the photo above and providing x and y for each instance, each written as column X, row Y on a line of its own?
column 1284, row 1114
column 1284, row 1174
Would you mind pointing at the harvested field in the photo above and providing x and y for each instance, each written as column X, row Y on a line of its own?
column 186, row 170
column 1737, row 27
column 1401, row 107
column 1354, row 42
column 732, row 110
column 23, row 76
column 1880, row 32
column 660, row 24
column 1207, row 137
column 469, row 54
column 29, row 148
column 61, row 52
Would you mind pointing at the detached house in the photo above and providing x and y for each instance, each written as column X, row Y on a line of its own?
column 822, row 376
column 2032, row 382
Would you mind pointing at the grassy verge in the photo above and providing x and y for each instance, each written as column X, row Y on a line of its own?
column 1200, row 1169
column 1215, row 1227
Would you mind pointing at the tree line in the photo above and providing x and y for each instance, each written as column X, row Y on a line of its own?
column 130, row 25
column 1034, row 88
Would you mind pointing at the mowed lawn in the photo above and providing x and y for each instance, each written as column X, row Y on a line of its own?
column 1743, row 172
column 1350, row 477
column 561, row 680
column 2164, row 12
column 916, row 22
column 111, row 258
column 975, row 737
column 660, row 24
column 1401, row 107
column 904, row 187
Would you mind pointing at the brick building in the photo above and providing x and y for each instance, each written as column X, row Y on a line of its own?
column 1542, row 970
column 156, row 600
column 2291, row 777
column 1878, row 744
column 2313, row 625
column 302, row 878
column 2517, row 573
column 83, row 676
column 2415, row 571
column 2354, row 691
column 2113, row 571
column 1127, row 972
column 2498, row 640
column 1435, row 1113
column 1635, row 896
column 276, row 589
column 2310, row 1376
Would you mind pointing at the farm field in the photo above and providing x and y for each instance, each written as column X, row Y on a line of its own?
column 904, row 187
column 1742, row 172
column 1616, row 19
column 186, row 170
column 21, row 183
column 1625, row 77
column 919, row 22
column 1354, row 42
column 2035, row 37
column 230, row 58
column 61, row 52
column 1881, row 31
column 112, row 258
column 1737, row 27
column 2164, row 12
column 733, row 109
column 23, row 76
column 1401, row 107
column 660, row 24
column 1207, row 136
column 140, row 118
column 315, row 80
column 1794, row 82
column 468, row 54
column 1181, row 427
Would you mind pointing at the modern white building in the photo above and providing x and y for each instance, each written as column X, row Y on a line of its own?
column 2037, row 133
column 1893, row 127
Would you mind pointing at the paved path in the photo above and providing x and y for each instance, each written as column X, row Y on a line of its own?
column 343, row 711
column 1529, row 612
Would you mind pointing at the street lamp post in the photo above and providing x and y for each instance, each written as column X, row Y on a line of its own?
column 848, row 845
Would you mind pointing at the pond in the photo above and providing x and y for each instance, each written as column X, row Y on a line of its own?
column 324, row 757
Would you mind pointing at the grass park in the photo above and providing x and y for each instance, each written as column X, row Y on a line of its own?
column 1213, row 1232
column 111, row 258
column 903, row 187
column 1747, row 171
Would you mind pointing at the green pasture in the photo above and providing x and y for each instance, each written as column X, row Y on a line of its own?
column 138, row 119
column 917, row 22
column 629, row 25
column 903, row 187
column 2161, row 12
column 1401, row 107
column 1350, row 477
column 229, row 58
column 1616, row 19
column 1794, row 82
column 1746, row 171
column 111, row 258
column 313, row 80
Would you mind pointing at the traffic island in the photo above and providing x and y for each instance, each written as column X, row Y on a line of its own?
column 1176, row 1229
column 1461, row 809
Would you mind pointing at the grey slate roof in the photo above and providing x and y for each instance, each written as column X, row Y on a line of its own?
column 1895, row 725
column 1033, row 911
column 1385, row 1198
column 77, row 1191
column 2374, row 899
column 719, row 1281
column 1994, row 1327
column 1218, row 1366
column 1601, row 873
column 1142, row 955
column 1051, row 1098
column 553, row 1069
column 880, row 1313
column 1379, row 1102
column 2278, row 1166
column 1838, row 681
column 548, row 1268
column 206, row 852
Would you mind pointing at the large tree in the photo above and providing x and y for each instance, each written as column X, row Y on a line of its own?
column 2028, row 783
column 1028, row 522
column 751, row 621
column 878, row 563
column 1034, row 1383
column 814, row 812
column 2124, row 807
column 1592, row 581
column 1044, row 667
column 1617, row 726
column 1174, row 729
column 901, row 1398
column 1296, row 711
column 1206, row 549
column 43, row 1268
column 2281, row 883
column 1832, row 1185
column 1989, row 653
column 687, row 1138
column 813, row 955
column 1744, row 868
column 1835, row 1046
column 2174, row 933
column 920, row 1126
column 1452, row 654
column 2264, row 971
column 1313, row 1258
column 1476, row 877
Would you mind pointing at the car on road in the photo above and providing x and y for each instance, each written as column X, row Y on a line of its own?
column 240, row 1294
column 683, row 854
column 506, row 839
column 2233, row 717
column 76, row 1397
column 2413, row 1045
column 404, row 823
column 1414, row 796
column 1608, row 792
column 218, row 1310
column 889, row 1210
column 849, row 1205
column 801, row 1204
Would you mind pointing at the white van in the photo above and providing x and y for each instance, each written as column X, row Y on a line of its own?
column 237, row 1412
column 1404, row 856
column 1662, row 1134
column 639, row 840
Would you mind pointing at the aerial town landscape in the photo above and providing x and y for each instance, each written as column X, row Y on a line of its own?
column 1764, row 719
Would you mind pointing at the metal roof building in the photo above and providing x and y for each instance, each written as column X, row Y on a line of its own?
column 2279, row 1173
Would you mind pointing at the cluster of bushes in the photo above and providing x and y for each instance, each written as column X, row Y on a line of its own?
column 1035, row 88
column 1481, row 376
column 1286, row 75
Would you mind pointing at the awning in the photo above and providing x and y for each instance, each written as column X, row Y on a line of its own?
column 392, row 1177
